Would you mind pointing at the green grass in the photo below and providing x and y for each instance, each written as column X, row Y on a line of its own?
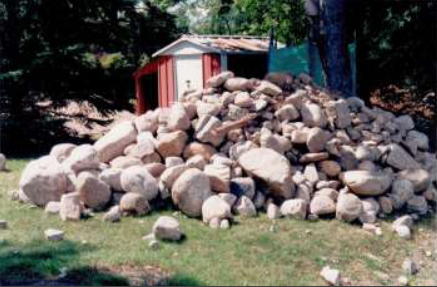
column 247, row 254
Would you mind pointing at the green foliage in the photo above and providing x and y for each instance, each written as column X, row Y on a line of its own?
column 398, row 44
column 62, row 49
column 253, row 17
column 286, row 16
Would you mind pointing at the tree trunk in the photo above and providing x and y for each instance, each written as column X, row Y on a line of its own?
column 338, row 67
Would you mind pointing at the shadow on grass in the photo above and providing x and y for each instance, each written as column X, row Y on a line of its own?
column 183, row 280
column 40, row 263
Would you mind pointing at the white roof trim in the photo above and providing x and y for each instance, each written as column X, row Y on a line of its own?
column 177, row 42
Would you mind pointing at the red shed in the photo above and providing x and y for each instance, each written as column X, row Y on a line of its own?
column 189, row 61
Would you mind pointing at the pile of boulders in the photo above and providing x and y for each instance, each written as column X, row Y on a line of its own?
column 241, row 146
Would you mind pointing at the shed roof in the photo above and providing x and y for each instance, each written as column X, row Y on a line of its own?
column 221, row 43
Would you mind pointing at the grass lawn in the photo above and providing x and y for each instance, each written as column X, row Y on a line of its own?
column 95, row 252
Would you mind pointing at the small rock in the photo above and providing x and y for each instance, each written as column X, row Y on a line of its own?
column 2, row 162
column 332, row 276
column 273, row 211
column 243, row 186
column 113, row 214
column 167, row 228
column 134, row 203
column 214, row 223
column 409, row 267
column 330, row 168
column 403, row 231
column 154, row 244
column 70, row 207
column 54, row 234
column 53, row 207
column 224, row 224
column 245, row 207
column 3, row 224
column 403, row 280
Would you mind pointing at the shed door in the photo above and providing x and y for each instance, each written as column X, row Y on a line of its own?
column 189, row 74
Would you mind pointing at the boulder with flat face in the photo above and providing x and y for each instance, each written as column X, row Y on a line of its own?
column 115, row 141
column 93, row 192
column 83, row 157
column 400, row 159
column 171, row 144
column 70, row 207
column 277, row 175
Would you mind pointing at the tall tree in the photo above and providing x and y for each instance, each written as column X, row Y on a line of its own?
column 338, row 69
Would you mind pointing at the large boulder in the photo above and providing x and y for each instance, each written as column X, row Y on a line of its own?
column 83, row 157
column 322, row 205
column 277, row 175
column 178, row 118
column 400, row 159
column 144, row 146
column 402, row 190
column 316, row 140
column 138, row 179
column 268, row 88
column 236, row 84
column 295, row 208
column 363, row 182
column 167, row 228
column 147, row 122
column 112, row 177
column 190, row 190
column 43, row 180
column 93, row 192
column 287, row 113
column 420, row 178
column 115, row 141
column 171, row 144
column 123, row 162
column 196, row 148
column 206, row 130
column 171, row 174
column 215, row 207
column 219, row 80
column 62, row 151
column 349, row 207
column 313, row 115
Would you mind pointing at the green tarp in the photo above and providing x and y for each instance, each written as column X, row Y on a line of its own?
column 297, row 60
